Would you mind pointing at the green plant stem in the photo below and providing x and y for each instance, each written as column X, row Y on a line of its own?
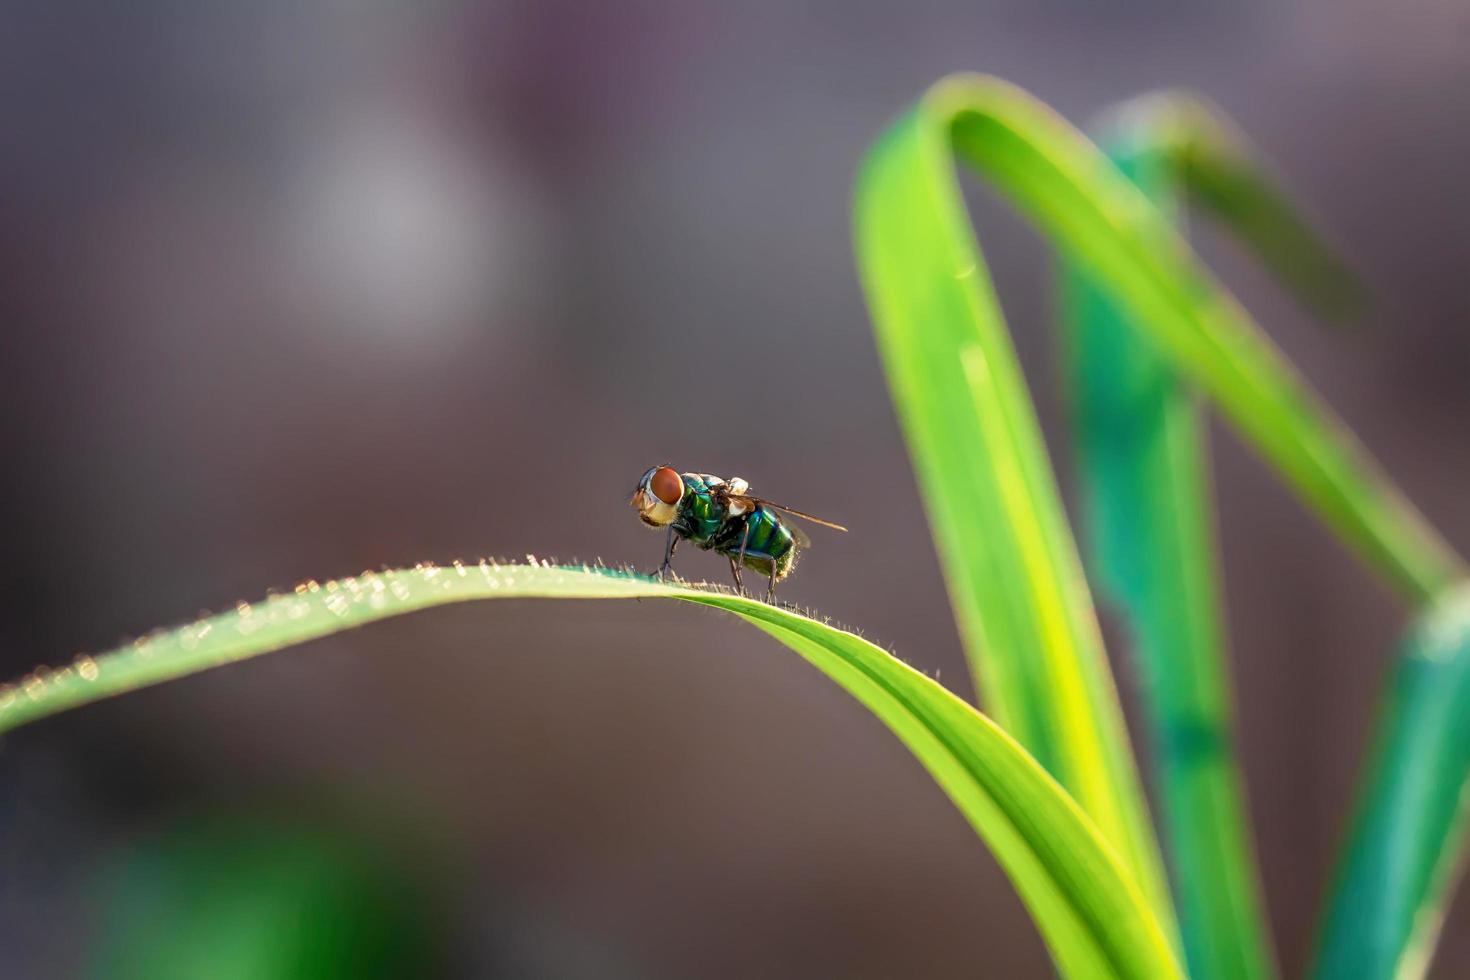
column 1087, row 906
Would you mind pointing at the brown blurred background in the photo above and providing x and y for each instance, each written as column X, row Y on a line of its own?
column 295, row 290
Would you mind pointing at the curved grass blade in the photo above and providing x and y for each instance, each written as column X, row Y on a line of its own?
column 1010, row 564
column 1407, row 845
column 1101, row 222
column 1088, row 908
column 1150, row 548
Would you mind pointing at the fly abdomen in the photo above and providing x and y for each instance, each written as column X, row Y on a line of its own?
column 766, row 541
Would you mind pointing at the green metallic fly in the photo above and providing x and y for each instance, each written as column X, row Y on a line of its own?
column 721, row 516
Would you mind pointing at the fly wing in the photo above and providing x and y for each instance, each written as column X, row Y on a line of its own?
column 737, row 487
column 794, row 512
column 797, row 535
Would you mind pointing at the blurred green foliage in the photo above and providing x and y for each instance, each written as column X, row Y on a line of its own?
column 261, row 899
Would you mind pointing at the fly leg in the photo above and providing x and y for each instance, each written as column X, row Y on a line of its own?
column 739, row 559
column 771, row 589
column 669, row 546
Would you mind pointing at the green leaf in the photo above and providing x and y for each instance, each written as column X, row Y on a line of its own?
column 1144, row 478
column 1407, row 845
column 1010, row 564
column 234, row 897
column 1088, row 908
column 1101, row 222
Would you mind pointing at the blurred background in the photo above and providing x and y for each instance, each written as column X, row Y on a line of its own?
column 298, row 289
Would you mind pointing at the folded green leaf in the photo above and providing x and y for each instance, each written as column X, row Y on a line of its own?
column 1009, row 562
column 1407, row 845
column 1087, row 906
column 1101, row 222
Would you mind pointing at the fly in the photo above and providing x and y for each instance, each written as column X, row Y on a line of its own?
column 724, row 517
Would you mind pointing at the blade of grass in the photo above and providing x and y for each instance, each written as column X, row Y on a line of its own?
column 1101, row 222
column 1145, row 493
column 1010, row 564
column 1150, row 551
column 1088, row 908
column 1407, row 845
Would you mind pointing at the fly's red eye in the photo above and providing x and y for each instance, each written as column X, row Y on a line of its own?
column 666, row 485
